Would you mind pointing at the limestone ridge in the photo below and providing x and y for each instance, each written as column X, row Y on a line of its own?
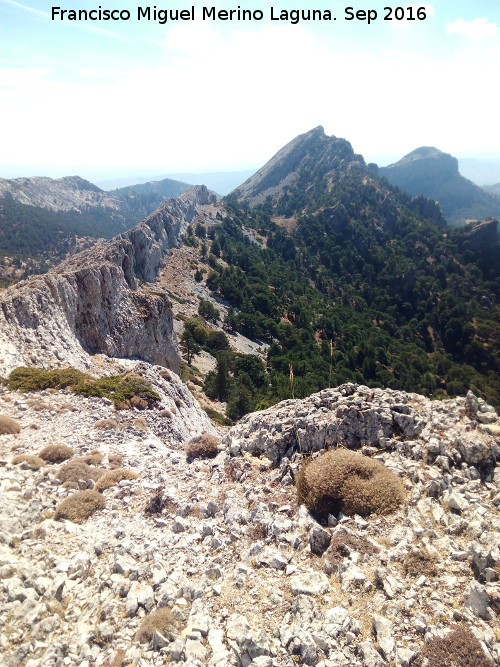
column 430, row 172
column 94, row 303
column 57, row 194
column 313, row 152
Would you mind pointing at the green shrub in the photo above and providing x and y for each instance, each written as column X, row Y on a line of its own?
column 204, row 446
column 121, row 389
column 218, row 418
column 342, row 480
column 8, row 426
column 56, row 453
column 79, row 506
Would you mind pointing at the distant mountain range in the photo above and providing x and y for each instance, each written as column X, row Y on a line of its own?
column 45, row 219
column 221, row 182
column 333, row 272
column 430, row 172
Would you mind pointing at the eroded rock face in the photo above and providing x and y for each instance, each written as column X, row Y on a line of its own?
column 95, row 302
column 356, row 416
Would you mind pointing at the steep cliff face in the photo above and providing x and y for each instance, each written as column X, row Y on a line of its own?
column 94, row 303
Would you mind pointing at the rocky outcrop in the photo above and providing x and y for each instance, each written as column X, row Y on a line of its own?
column 483, row 235
column 357, row 417
column 97, row 301
column 221, row 547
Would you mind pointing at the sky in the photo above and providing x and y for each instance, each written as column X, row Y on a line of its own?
column 112, row 98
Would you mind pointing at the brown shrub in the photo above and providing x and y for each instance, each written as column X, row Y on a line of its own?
column 161, row 620
column 419, row 561
column 34, row 462
column 36, row 404
column 78, row 470
column 115, row 460
column 159, row 503
column 8, row 426
column 342, row 480
column 113, row 477
column 204, row 446
column 343, row 542
column 106, row 423
column 94, row 458
column 56, row 453
column 79, row 506
column 460, row 648
column 166, row 413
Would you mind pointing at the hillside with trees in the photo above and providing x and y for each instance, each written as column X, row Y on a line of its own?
column 347, row 278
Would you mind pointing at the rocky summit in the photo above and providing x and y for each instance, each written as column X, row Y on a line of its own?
column 213, row 562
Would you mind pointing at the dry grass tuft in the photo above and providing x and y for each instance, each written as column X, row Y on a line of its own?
column 342, row 480
column 344, row 542
column 79, row 506
column 34, row 462
column 115, row 460
column 204, row 446
column 106, row 424
column 460, row 648
column 56, row 453
column 94, row 458
column 8, row 426
column 78, row 470
column 161, row 620
column 419, row 561
column 114, row 477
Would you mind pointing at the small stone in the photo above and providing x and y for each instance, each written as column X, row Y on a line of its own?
column 179, row 525
column 477, row 600
column 312, row 583
column 319, row 540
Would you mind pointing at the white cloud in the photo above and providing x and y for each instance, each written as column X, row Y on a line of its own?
column 22, row 77
column 215, row 100
column 477, row 29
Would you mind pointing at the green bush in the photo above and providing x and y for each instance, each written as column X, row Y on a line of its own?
column 121, row 389
column 342, row 480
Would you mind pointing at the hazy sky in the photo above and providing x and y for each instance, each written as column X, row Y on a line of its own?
column 108, row 98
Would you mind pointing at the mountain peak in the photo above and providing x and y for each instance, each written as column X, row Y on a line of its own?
column 435, row 174
column 307, row 160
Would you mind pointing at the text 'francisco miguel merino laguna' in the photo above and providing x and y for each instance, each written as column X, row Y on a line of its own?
column 161, row 16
